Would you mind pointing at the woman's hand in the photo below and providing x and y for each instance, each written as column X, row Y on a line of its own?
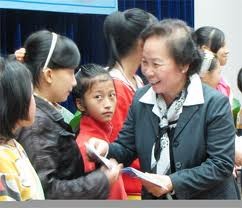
column 155, row 189
column 112, row 173
column 19, row 54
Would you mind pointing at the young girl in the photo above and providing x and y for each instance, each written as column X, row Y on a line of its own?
column 18, row 179
column 96, row 99
column 213, row 39
column 50, row 142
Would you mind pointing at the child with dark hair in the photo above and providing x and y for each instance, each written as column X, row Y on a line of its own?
column 96, row 98
column 18, row 179
column 50, row 142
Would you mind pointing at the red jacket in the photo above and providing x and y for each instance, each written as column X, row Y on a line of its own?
column 124, row 95
column 91, row 128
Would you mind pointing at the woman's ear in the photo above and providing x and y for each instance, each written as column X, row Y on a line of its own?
column 80, row 105
column 48, row 75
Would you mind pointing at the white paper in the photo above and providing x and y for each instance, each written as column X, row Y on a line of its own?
column 97, row 157
column 136, row 173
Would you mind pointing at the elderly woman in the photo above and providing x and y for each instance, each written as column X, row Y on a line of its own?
column 181, row 130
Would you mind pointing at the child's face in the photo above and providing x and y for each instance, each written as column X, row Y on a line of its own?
column 100, row 100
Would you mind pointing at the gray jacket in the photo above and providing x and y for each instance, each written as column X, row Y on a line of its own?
column 51, row 147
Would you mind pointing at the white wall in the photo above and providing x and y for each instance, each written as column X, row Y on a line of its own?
column 227, row 16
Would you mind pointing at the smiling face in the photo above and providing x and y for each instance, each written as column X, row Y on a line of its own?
column 164, row 75
column 100, row 99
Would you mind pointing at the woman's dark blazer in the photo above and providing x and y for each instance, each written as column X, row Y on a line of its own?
column 203, row 146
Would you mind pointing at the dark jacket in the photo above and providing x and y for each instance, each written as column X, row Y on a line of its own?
column 202, row 146
column 51, row 147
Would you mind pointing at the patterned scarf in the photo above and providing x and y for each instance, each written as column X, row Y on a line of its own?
column 160, row 156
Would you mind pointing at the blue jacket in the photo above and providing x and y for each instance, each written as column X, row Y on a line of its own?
column 203, row 146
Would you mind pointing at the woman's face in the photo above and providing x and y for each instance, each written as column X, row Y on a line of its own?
column 222, row 55
column 62, row 82
column 160, row 69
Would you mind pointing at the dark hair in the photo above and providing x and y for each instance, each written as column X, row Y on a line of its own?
column 211, row 37
column 239, row 80
column 15, row 95
column 179, row 42
column 37, row 45
column 85, row 78
column 213, row 64
column 122, row 30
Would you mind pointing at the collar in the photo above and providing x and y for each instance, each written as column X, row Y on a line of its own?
column 118, row 74
column 194, row 94
column 52, row 113
column 93, row 128
column 194, row 91
column 48, row 108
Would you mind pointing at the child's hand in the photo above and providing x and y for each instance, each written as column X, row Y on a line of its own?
column 19, row 54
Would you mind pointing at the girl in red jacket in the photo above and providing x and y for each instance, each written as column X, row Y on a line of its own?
column 96, row 99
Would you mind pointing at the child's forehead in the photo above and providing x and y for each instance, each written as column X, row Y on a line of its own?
column 101, row 78
column 102, row 86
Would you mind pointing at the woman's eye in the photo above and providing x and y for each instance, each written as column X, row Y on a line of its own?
column 156, row 64
column 144, row 62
